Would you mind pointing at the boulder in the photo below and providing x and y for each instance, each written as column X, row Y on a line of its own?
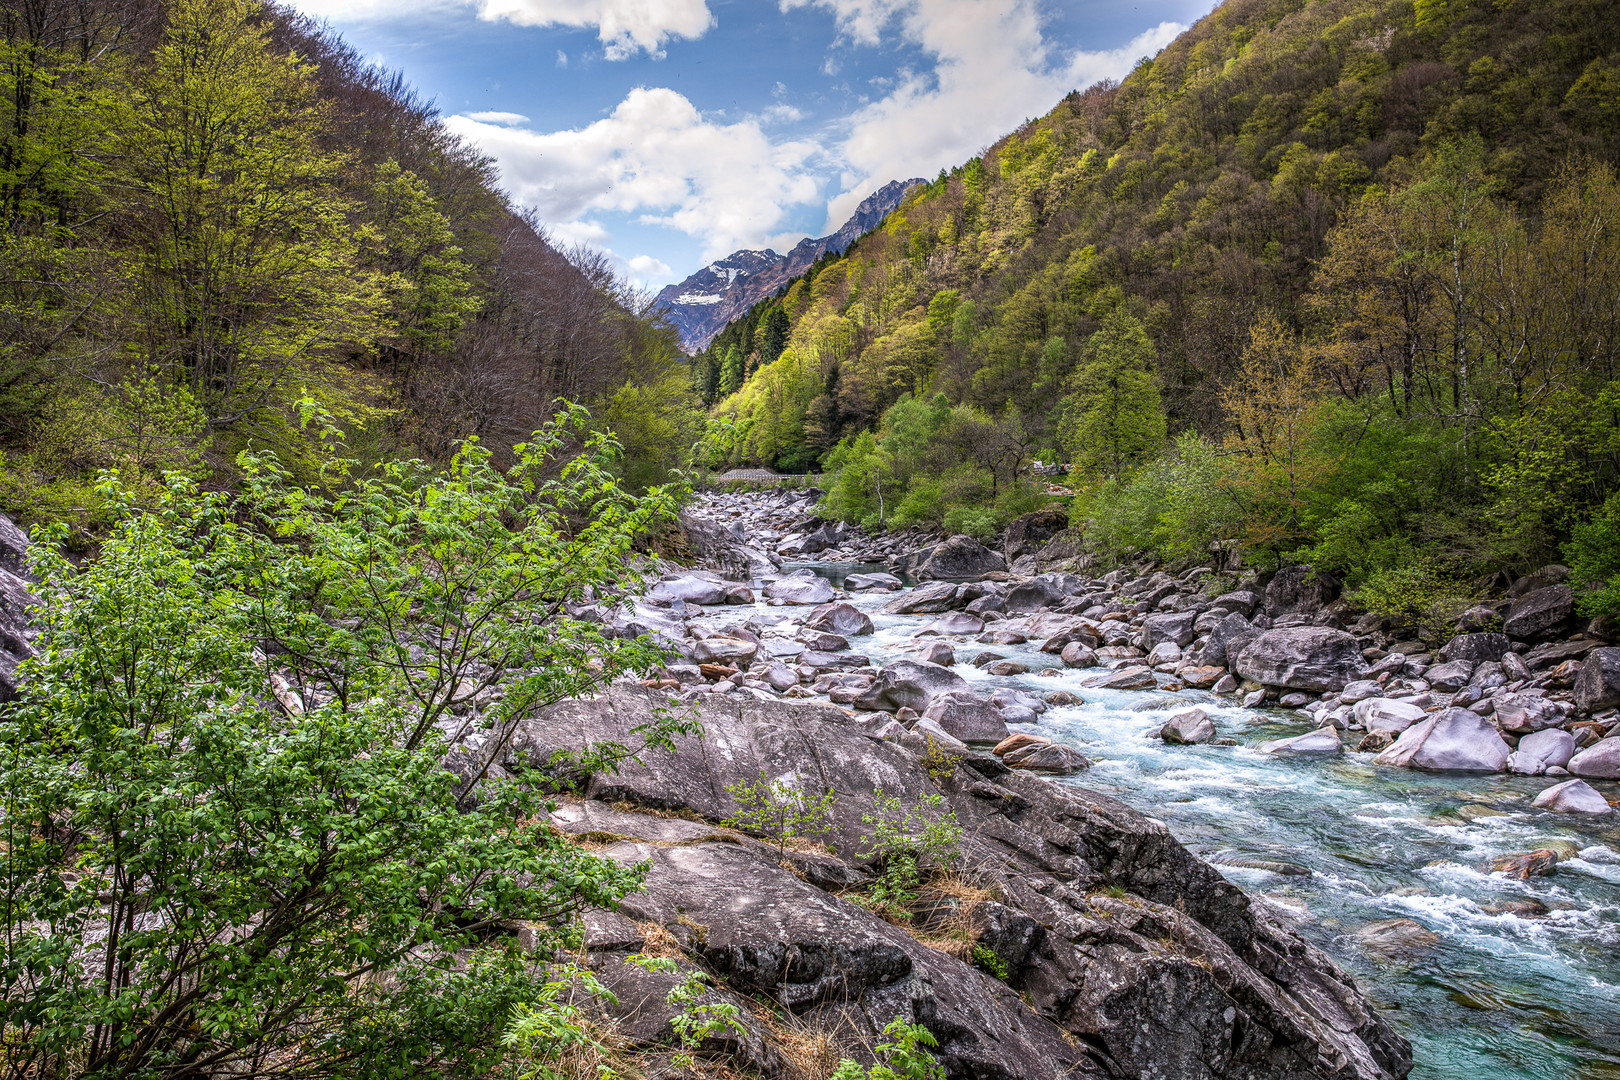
column 927, row 599
column 1007, row 667
column 1360, row 690
column 691, row 588
column 720, row 548
column 1600, row 761
column 937, row 652
column 1164, row 653
column 1036, row 594
column 878, row 582
column 1451, row 740
column 721, row 649
column 1303, row 658
column 14, row 544
column 926, row 737
column 1188, row 728
column 1130, row 678
column 1169, row 626
column 1076, row 654
column 954, row 622
column 1541, row 751
column 1227, row 640
column 1243, row 602
column 1539, row 612
column 800, row 590
column 1054, row 760
column 1597, row 687
column 1386, row 714
column 964, row 715
column 960, row 557
column 1018, row 742
column 1572, row 797
column 1522, row 714
column 17, row 632
column 1300, row 590
column 1451, row 676
column 909, row 684
column 840, row 618
column 1477, row 648
column 1321, row 741
column 1029, row 533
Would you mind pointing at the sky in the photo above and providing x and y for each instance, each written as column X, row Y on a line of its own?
column 669, row 133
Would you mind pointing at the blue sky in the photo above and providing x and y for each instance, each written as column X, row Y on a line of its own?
column 672, row 132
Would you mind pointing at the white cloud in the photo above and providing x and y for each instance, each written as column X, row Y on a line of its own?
column 645, row 268
column 658, row 158
column 506, row 119
column 625, row 27
column 993, row 69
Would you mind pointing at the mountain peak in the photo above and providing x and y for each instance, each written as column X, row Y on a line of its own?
column 702, row 305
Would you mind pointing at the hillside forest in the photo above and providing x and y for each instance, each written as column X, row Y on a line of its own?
column 1335, row 282
column 219, row 221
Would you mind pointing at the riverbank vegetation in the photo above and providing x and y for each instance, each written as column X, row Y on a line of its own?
column 214, row 209
column 1333, row 283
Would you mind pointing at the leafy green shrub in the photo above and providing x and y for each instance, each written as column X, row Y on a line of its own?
column 1594, row 557
column 979, row 522
column 1417, row 599
column 552, row 1038
column 697, row 1019
column 906, row 841
column 924, row 504
column 229, row 752
column 779, row 811
column 903, row 1059
column 986, row 960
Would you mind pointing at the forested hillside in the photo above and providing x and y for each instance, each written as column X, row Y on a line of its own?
column 1339, row 280
column 220, row 220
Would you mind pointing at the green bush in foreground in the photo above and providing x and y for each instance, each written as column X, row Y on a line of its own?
column 229, row 845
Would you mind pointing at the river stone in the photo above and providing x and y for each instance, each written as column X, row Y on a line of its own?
column 1393, row 936
column 1597, row 687
column 1077, row 655
column 780, row 677
column 1323, row 740
column 937, row 652
column 1360, row 690
column 800, row 590
column 960, row 557
column 1229, row 638
column 721, row 649
column 1188, row 728
column 1130, row 678
column 954, row 622
column 1600, row 761
column 927, row 737
column 1054, row 760
column 1018, row 742
column 1169, row 626
column 1477, row 647
column 823, row 661
column 1541, row 751
column 1165, row 652
column 966, row 716
column 1572, row 797
column 1007, row 667
column 819, row 640
column 1386, row 714
column 910, row 684
column 1036, row 594
column 1451, row 740
column 929, row 598
column 1028, row 533
column 840, row 618
column 1450, row 676
column 1243, row 602
column 1540, row 611
column 692, row 588
column 1303, row 658
column 1300, row 589
column 1011, row 695
column 1523, row 714
column 877, row 582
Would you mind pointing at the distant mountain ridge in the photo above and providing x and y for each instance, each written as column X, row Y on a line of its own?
column 702, row 305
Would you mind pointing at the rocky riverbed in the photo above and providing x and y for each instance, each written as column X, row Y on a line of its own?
column 1439, row 821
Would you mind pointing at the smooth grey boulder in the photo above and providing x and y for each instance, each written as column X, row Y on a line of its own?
column 1300, row 590
column 1386, row 714
column 840, row 618
column 1243, row 602
column 800, row 590
column 1303, row 658
column 1360, row 690
column 1324, row 740
column 937, row 652
column 1175, row 627
column 1522, row 714
column 1451, row 740
column 1029, row 533
column 879, row 582
column 960, row 557
column 953, row 622
column 1541, row 751
column 1597, row 687
column 1164, row 653
column 929, row 598
column 718, row 547
column 1037, row 594
column 1188, row 728
column 1539, row 612
column 17, row 632
column 14, row 544
column 721, row 649
column 1477, row 647
column 1054, row 760
column 691, row 588
column 1572, row 797
column 1449, row 676
column 927, row 736
column 1075, row 654
column 964, row 715
column 780, row 677
column 1600, row 761
column 1227, row 641
column 909, row 684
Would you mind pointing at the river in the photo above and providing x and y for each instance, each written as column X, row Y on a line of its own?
column 1500, row 993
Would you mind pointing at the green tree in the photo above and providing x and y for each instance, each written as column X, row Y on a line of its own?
column 731, row 371
column 775, row 336
column 430, row 284
column 1114, row 420
column 226, row 816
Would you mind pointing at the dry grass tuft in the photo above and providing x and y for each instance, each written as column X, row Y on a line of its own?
column 659, row 941
column 809, row 1051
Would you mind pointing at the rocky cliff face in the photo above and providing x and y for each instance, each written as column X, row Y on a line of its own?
column 1125, row 955
column 703, row 304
